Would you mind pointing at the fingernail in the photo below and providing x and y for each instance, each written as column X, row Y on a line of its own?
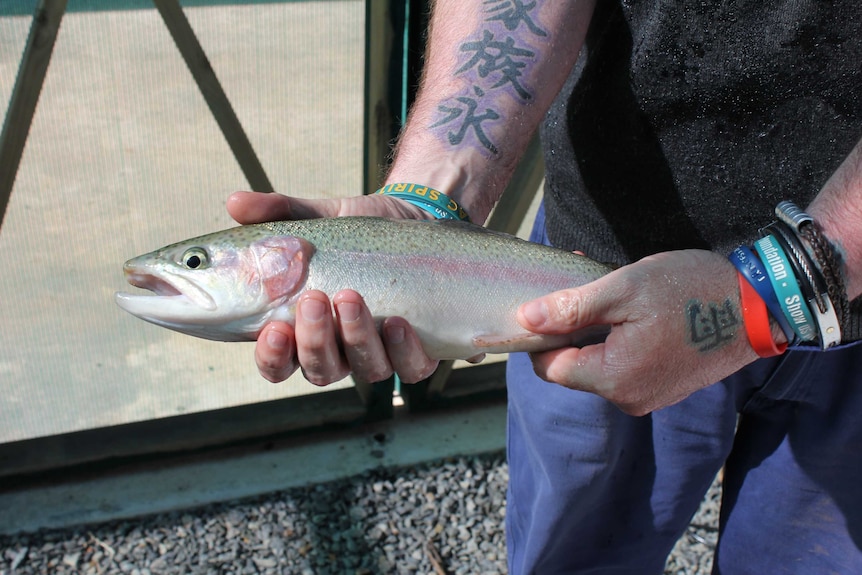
column 394, row 334
column 348, row 311
column 313, row 310
column 535, row 313
column 276, row 339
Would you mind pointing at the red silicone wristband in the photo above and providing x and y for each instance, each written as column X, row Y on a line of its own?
column 756, row 319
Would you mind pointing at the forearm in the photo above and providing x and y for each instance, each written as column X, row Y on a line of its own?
column 838, row 210
column 492, row 70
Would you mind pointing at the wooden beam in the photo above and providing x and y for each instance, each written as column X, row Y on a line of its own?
column 25, row 94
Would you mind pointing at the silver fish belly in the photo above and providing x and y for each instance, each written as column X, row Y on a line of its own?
column 459, row 285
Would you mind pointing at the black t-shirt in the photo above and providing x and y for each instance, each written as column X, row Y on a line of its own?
column 684, row 123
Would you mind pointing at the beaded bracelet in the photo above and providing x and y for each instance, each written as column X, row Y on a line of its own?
column 432, row 201
column 780, row 273
column 750, row 267
column 756, row 320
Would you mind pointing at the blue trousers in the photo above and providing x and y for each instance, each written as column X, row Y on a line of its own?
column 593, row 490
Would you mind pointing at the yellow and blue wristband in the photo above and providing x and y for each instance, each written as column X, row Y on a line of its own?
column 432, row 201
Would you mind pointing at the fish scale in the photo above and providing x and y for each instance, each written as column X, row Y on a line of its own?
column 458, row 284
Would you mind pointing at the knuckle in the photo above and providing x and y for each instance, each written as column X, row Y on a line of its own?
column 539, row 367
column 634, row 401
column 417, row 373
column 368, row 363
column 628, row 283
column 429, row 370
column 321, row 379
column 276, row 374
column 373, row 374
column 636, row 409
column 275, row 368
column 568, row 307
column 356, row 338
column 324, row 370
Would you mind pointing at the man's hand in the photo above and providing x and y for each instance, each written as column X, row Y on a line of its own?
column 256, row 207
column 676, row 327
column 326, row 346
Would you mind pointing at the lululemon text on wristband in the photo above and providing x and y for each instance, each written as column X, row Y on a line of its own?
column 433, row 201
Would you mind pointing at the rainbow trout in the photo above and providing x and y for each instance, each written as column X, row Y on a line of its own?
column 459, row 285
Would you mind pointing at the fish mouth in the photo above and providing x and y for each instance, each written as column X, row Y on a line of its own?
column 172, row 296
column 153, row 283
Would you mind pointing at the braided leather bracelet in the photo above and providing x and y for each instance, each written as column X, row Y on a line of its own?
column 822, row 253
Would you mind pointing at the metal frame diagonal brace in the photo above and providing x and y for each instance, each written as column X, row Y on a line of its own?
column 212, row 91
column 25, row 94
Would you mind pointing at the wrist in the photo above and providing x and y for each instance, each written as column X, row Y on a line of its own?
column 838, row 211
column 426, row 198
column 843, row 234
column 805, row 292
column 474, row 182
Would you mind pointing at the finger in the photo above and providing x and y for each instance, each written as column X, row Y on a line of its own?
column 361, row 342
column 576, row 368
column 256, row 207
column 317, row 347
column 598, row 303
column 405, row 351
column 566, row 366
column 273, row 352
column 592, row 369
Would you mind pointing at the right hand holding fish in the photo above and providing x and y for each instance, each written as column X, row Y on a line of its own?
column 256, row 207
column 313, row 345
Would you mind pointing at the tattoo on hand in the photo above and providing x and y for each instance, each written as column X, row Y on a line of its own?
column 495, row 65
column 712, row 325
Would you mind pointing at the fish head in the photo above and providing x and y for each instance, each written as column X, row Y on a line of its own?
column 222, row 286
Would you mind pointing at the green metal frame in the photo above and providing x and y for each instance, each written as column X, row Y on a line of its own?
column 393, row 58
column 25, row 94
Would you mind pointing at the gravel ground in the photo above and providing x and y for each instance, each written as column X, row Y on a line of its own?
column 442, row 518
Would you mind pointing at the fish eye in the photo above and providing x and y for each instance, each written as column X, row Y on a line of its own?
column 195, row 258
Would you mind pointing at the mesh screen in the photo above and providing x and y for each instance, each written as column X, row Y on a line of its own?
column 123, row 157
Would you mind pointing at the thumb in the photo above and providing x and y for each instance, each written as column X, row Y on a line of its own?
column 596, row 303
column 255, row 207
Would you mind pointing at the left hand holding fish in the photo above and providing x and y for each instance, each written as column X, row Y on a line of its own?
column 313, row 344
column 676, row 328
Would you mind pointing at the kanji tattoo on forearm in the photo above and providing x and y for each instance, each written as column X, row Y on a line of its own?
column 495, row 62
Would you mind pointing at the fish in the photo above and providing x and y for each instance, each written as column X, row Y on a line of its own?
column 458, row 284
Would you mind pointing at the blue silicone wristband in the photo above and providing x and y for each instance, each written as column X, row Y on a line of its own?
column 433, row 201
column 751, row 269
column 786, row 288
